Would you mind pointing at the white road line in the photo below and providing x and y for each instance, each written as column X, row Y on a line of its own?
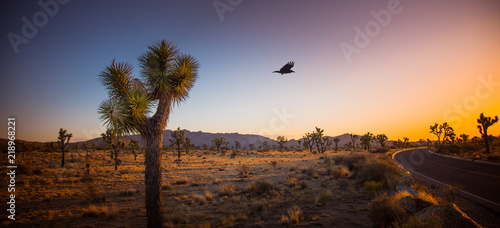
column 462, row 191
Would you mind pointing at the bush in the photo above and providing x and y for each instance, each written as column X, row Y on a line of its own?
column 350, row 160
column 414, row 222
column 376, row 170
column 324, row 198
column 385, row 211
column 260, row 187
column 228, row 190
column 449, row 149
column 339, row 171
column 372, row 186
column 381, row 150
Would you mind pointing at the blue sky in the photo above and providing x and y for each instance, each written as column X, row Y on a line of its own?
column 430, row 57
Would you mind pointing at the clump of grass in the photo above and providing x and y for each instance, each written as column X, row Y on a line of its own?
column 376, row 170
column 199, row 199
column 257, row 207
column 292, row 181
column 244, row 170
column 174, row 220
column 100, row 211
column 350, row 160
column 129, row 192
column 385, row 210
column 228, row 221
column 311, row 172
column 372, row 186
column 92, row 192
column 339, row 171
column 228, row 190
column 274, row 163
column 260, row 187
column 327, row 161
column 293, row 216
column 324, row 198
column 208, row 195
column 181, row 181
column 166, row 186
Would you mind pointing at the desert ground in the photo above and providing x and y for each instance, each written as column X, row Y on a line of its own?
column 205, row 189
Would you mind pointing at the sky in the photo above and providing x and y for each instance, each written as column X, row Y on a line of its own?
column 385, row 66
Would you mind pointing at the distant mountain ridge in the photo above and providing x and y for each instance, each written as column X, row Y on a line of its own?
column 199, row 138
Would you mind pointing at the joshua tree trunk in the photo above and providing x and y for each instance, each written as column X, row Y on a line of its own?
column 62, row 162
column 152, row 134
column 179, row 151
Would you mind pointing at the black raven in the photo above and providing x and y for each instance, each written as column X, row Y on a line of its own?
column 286, row 69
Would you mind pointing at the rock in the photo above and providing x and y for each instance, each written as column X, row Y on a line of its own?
column 410, row 190
column 450, row 215
column 405, row 180
column 413, row 205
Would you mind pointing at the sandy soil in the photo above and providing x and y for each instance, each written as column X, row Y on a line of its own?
column 205, row 190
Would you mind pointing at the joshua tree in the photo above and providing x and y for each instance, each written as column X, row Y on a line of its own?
column 187, row 144
column 237, row 145
column 336, row 141
column 354, row 138
column 134, row 145
column 282, row 140
column 464, row 138
column 406, row 142
column 381, row 139
column 63, row 141
column 177, row 139
column 218, row 142
column 437, row 130
column 167, row 78
column 265, row 146
column 308, row 141
column 251, row 146
column 112, row 137
column 422, row 142
column 449, row 133
column 366, row 140
column 485, row 123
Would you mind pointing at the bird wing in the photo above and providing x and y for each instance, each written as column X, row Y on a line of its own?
column 288, row 66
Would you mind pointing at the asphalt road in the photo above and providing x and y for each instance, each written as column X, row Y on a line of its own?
column 474, row 178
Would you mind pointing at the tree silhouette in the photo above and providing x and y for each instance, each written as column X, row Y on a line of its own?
column 134, row 145
column 381, row 139
column 485, row 123
column 112, row 138
column 282, row 140
column 464, row 138
column 308, row 141
column 187, row 144
column 354, row 139
column 449, row 133
column 177, row 140
column 406, row 142
column 366, row 140
column 218, row 142
column 237, row 145
column 437, row 130
column 336, row 141
column 63, row 140
column 167, row 79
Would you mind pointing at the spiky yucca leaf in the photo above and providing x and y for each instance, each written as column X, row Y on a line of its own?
column 183, row 78
column 112, row 113
column 157, row 64
column 137, row 106
column 117, row 79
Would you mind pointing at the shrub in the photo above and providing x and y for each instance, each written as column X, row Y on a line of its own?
column 448, row 149
column 372, row 186
column 129, row 192
column 244, row 170
column 100, row 211
column 381, row 150
column 350, row 160
column 376, row 169
column 292, row 181
column 324, row 198
column 339, row 171
column 385, row 211
column 228, row 190
column 260, row 187
column 294, row 214
column 274, row 163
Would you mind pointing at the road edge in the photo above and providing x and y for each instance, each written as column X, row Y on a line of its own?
column 477, row 199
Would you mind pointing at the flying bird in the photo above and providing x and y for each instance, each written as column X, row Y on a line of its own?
column 286, row 69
